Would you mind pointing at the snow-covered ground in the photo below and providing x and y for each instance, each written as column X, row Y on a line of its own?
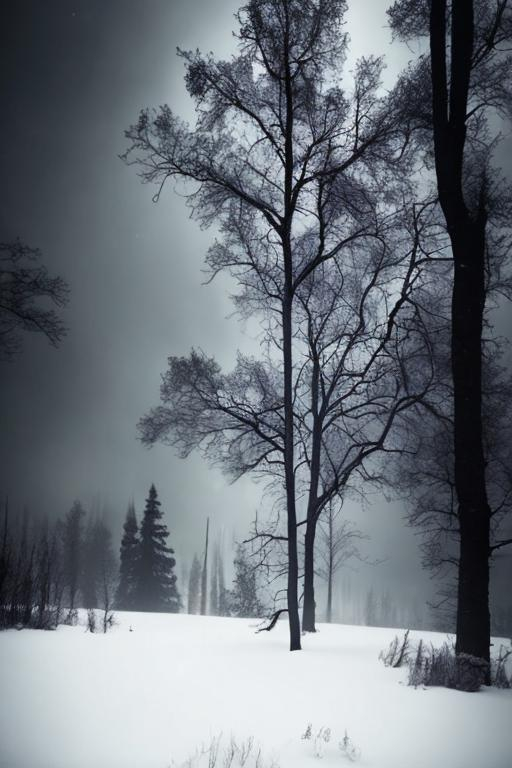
column 149, row 698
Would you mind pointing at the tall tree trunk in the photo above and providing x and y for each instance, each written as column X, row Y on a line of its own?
column 309, row 605
column 204, row 574
column 287, row 305
column 330, row 570
column 293, row 566
column 467, row 234
column 473, row 616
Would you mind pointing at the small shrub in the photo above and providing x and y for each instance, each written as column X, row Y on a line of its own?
column 71, row 618
column 109, row 620
column 323, row 737
column 499, row 675
column 442, row 667
column 244, row 754
column 349, row 749
column 471, row 672
column 417, row 667
column 91, row 620
column 398, row 652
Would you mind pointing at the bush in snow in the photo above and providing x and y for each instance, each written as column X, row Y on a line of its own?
column 499, row 675
column 323, row 737
column 471, row 672
column 398, row 652
column 417, row 667
column 234, row 754
column 91, row 620
column 71, row 618
column 349, row 749
column 442, row 667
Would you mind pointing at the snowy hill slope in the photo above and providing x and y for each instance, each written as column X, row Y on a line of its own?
column 148, row 698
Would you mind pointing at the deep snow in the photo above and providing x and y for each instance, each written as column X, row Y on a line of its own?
column 149, row 698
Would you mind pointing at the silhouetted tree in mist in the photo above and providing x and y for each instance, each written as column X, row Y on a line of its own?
column 244, row 600
column 194, row 586
column 291, row 166
column 25, row 286
column 155, row 582
column 128, row 561
column 72, row 552
column 337, row 544
column 456, row 87
column 204, row 574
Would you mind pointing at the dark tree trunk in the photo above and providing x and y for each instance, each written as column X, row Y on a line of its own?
column 287, row 304
column 309, row 605
column 473, row 618
column 330, row 572
column 293, row 566
column 467, row 234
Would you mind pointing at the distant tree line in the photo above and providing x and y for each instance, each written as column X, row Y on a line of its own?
column 208, row 594
column 48, row 571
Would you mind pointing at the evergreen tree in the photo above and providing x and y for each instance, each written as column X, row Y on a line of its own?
column 244, row 600
column 155, row 582
column 194, row 585
column 128, row 555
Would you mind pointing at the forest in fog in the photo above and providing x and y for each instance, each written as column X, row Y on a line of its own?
column 353, row 222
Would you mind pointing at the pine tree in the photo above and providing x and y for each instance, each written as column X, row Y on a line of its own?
column 128, row 555
column 155, row 583
column 244, row 601
column 194, row 585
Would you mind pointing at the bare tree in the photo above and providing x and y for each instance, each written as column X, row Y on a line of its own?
column 338, row 543
column 72, row 539
column 108, row 578
column 368, row 361
column 465, row 77
column 24, row 287
column 288, row 183
column 428, row 478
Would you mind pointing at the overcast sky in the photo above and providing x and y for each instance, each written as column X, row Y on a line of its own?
column 73, row 76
